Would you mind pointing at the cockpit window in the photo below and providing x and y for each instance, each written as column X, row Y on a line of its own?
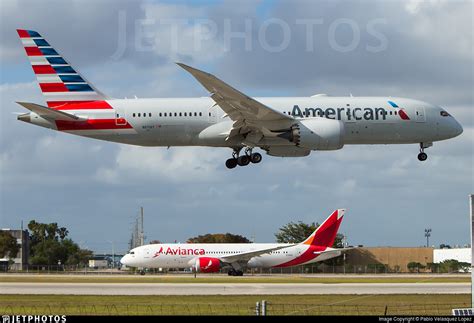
column 132, row 252
column 444, row 114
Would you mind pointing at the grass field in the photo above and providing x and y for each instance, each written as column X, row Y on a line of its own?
column 233, row 305
column 226, row 279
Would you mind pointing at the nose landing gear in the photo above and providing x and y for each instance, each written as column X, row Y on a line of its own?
column 243, row 160
column 422, row 156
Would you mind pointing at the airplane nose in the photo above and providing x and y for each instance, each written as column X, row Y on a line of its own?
column 457, row 129
column 125, row 260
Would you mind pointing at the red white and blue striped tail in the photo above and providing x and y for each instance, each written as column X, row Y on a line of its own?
column 62, row 86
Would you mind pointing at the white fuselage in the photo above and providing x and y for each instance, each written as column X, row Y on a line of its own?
column 200, row 122
column 184, row 255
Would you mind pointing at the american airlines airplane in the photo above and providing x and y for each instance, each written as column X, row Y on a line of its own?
column 281, row 126
column 212, row 257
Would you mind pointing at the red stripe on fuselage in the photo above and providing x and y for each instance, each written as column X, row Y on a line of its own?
column 306, row 256
column 43, row 69
column 33, row 51
column 92, row 124
column 79, row 105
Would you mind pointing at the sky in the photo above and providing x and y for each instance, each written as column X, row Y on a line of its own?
column 416, row 49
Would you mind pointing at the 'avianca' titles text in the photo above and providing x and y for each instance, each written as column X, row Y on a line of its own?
column 180, row 251
column 338, row 113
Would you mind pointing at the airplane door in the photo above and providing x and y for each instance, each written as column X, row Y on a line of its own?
column 120, row 117
column 212, row 114
column 420, row 114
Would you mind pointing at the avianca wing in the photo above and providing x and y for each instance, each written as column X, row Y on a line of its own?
column 280, row 126
column 208, row 258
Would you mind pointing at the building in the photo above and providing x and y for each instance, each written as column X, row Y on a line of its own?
column 394, row 259
column 99, row 262
column 459, row 254
column 21, row 259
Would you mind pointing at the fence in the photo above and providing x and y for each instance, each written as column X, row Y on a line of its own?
column 343, row 309
column 260, row 308
column 130, row 309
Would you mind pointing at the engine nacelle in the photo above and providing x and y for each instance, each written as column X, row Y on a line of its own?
column 206, row 265
column 317, row 134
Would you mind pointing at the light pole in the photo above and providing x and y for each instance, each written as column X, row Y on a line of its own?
column 428, row 235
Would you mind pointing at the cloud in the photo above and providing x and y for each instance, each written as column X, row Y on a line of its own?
column 420, row 52
column 177, row 166
column 95, row 188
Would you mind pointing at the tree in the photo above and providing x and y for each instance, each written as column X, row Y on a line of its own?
column 298, row 232
column 219, row 238
column 415, row 266
column 8, row 246
column 49, row 245
column 155, row 242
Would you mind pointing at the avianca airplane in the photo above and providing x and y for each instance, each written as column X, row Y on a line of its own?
column 212, row 257
column 281, row 126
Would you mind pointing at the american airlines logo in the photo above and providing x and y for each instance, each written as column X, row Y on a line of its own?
column 350, row 113
column 179, row 251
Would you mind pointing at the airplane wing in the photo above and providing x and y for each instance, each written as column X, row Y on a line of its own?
column 244, row 257
column 248, row 114
column 49, row 113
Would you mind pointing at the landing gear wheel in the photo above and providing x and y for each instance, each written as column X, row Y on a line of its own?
column 422, row 156
column 233, row 272
column 231, row 163
column 243, row 160
column 255, row 158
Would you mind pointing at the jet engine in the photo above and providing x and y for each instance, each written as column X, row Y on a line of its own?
column 316, row 134
column 206, row 265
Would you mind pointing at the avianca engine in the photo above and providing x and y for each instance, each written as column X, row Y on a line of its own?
column 212, row 257
column 281, row 126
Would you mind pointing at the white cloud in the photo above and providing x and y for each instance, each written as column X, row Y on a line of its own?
column 179, row 165
column 188, row 190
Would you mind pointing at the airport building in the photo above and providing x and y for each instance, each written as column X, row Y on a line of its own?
column 99, row 262
column 459, row 254
column 392, row 259
column 21, row 259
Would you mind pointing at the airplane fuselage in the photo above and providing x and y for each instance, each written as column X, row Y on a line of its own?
column 200, row 122
column 282, row 126
column 183, row 255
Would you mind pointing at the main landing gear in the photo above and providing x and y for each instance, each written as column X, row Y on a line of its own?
column 422, row 156
column 233, row 272
column 243, row 160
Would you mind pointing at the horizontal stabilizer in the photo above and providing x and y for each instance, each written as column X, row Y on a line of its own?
column 49, row 113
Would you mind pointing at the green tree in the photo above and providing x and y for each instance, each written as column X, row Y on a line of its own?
column 8, row 246
column 219, row 238
column 49, row 245
column 452, row 265
column 415, row 266
column 298, row 232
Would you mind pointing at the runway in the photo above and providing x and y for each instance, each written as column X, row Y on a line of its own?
column 232, row 289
